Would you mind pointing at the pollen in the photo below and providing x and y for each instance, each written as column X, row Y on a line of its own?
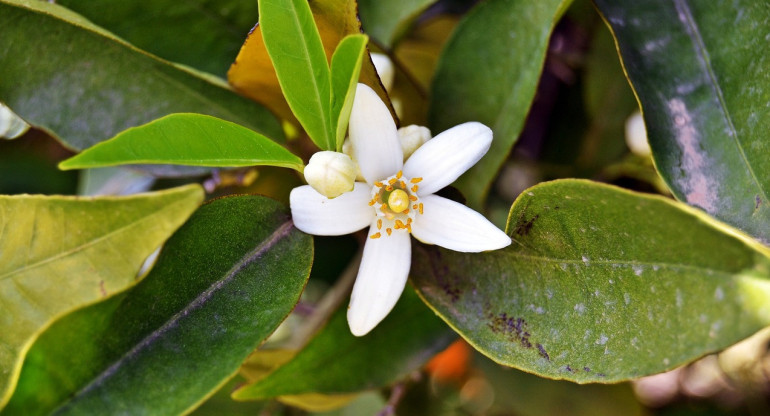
column 416, row 180
column 398, row 175
column 420, row 207
column 415, row 188
column 389, row 231
column 375, row 236
column 391, row 181
column 379, row 184
column 398, row 201
column 399, row 225
column 379, row 224
column 413, row 198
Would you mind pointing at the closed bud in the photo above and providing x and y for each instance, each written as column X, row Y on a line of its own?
column 330, row 173
column 412, row 137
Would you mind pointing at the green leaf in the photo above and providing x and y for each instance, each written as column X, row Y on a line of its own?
column 294, row 46
column 335, row 361
column 600, row 285
column 84, row 85
column 221, row 285
column 387, row 21
column 186, row 139
column 201, row 33
column 704, row 96
column 345, row 69
column 509, row 38
column 60, row 253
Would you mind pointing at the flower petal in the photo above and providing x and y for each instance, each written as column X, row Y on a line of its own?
column 445, row 157
column 374, row 136
column 454, row 226
column 381, row 280
column 316, row 214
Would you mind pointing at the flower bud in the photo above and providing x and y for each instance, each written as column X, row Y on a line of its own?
column 412, row 137
column 11, row 126
column 636, row 135
column 385, row 70
column 330, row 173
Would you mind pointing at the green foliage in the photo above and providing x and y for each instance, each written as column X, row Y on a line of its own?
column 61, row 253
column 222, row 284
column 204, row 34
column 387, row 21
column 600, row 285
column 87, row 85
column 338, row 362
column 186, row 139
column 704, row 97
column 509, row 38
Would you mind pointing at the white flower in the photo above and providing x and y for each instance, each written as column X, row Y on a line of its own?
column 397, row 200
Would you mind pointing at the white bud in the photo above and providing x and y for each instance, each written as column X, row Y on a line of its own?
column 636, row 135
column 347, row 148
column 384, row 67
column 412, row 137
column 330, row 173
column 11, row 125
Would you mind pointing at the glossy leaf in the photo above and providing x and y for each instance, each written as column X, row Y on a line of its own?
column 509, row 39
column 387, row 21
column 600, row 285
column 186, row 139
column 204, row 34
column 335, row 361
column 221, row 285
column 295, row 49
column 59, row 253
column 345, row 70
column 91, row 85
column 253, row 74
column 705, row 96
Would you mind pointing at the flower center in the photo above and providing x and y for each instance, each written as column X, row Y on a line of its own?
column 396, row 203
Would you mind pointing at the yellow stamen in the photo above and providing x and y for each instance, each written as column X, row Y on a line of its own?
column 415, row 206
column 398, row 175
column 420, row 207
column 388, row 188
column 392, row 181
column 415, row 188
column 403, row 184
column 399, row 225
column 379, row 184
column 372, row 202
column 389, row 231
column 379, row 224
column 413, row 198
column 416, row 180
column 375, row 236
column 398, row 201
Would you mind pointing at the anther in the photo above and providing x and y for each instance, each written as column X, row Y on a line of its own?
column 391, row 181
column 379, row 184
column 388, row 188
column 389, row 231
column 415, row 188
column 398, row 175
column 420, row 207
column 375, row 236
column 413, row 198
column 416, row 180
column 379, row 224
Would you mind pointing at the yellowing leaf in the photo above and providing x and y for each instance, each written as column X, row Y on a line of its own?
column 59, row 253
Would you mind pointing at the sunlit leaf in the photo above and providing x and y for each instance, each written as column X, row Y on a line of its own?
column 253, row 74
column 186, row 139
column 335, row 361
column 59, row 253
column 84, row 85
column 601, row 285
column 295, row 49
column 509, row 40
column 345, row 67
column 701, row 73
column 221, row 285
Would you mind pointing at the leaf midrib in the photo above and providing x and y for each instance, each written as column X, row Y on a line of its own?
column 92, row 242
column 277, row 235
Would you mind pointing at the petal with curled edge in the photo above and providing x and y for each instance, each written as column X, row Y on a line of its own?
column 445, row 157
column 454, row 226
column 316, row 214
column 381, row 280
column 374, row 136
